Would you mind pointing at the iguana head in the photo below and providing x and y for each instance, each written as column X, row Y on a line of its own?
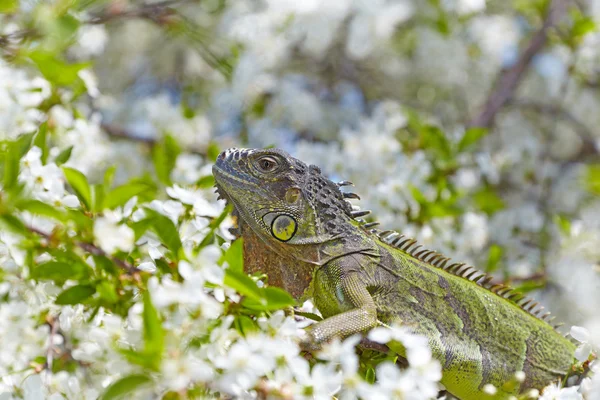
column 289, row 204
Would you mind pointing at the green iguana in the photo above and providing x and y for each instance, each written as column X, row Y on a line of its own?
column 298, row 225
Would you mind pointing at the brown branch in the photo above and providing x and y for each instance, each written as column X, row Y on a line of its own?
column 589, row 150
column 158, row 13
column 509, row 79
column 120, row 133
column 93, row 250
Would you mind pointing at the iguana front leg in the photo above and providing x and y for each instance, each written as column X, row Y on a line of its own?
column 344, row 300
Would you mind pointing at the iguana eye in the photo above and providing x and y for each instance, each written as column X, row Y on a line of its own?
column 284, row 227
column 267, row 164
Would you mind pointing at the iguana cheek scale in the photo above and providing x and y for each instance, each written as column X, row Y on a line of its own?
column 299, row 228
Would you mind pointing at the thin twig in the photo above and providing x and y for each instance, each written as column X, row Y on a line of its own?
column 94, row 250
column 555, row 111
column 156, row 12
column 509, row 79
column 53, row 322
column 120, row 133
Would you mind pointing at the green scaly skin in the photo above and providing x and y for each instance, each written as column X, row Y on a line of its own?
column 361, row 278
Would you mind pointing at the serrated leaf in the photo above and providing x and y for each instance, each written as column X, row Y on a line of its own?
column 63, row 156
column 124, row 386
column 75, row 294
column 244, row 285
column 60, row 271
column 80, row 186
column 471, row 136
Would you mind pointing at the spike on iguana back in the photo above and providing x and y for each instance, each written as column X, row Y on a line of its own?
column 412, row 248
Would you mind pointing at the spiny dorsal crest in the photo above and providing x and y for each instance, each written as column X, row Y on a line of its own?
column 431, row 257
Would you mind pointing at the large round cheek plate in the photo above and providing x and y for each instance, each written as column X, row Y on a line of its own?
column 284, row 227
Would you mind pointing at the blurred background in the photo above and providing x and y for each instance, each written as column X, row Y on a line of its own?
column 472, row 125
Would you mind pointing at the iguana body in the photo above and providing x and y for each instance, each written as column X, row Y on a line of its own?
column 296, row 220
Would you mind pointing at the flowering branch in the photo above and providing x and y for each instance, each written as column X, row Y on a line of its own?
column 95, row 251
column 509, row 79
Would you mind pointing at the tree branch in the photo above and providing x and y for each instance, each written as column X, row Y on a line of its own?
column 158, row 13
column 509, row 79
column 120, row 133
column 93, row 250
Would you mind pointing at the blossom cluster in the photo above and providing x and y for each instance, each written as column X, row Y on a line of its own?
column 118, row 270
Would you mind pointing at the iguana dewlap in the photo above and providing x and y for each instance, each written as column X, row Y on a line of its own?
column 299, row 223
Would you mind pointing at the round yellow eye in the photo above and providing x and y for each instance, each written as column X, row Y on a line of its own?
column 284, row 227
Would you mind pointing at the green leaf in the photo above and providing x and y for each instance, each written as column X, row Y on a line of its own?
column 125, row 386
column 40, row 208
column 55, row 70
column 564, row 223
column 60, row 271
column 471, row 136
column 154, row 335
column 213, row 151
column 8, row 6
column 107, row 292
column 488, row 201
column 63, row 156
column 245, row 325
column 80, row 186
column 206, row 182
column 277, row 298
column 122, row 194
column 12, row 159
column 435, row 141
column 164, row 156
column 166, row 231
column 75, row 294
column 592, row 178
column 244, row 285
column 13, row 224
column 234, row 256
column 40, row 141
column 273, row 299
column 97, row 197
column 370, row 375
column 494, row 257
column 109, row 176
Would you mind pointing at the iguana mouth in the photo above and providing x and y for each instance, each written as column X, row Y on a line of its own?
column 236, row 230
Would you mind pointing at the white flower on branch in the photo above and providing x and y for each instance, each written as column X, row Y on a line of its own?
column 112, row 236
